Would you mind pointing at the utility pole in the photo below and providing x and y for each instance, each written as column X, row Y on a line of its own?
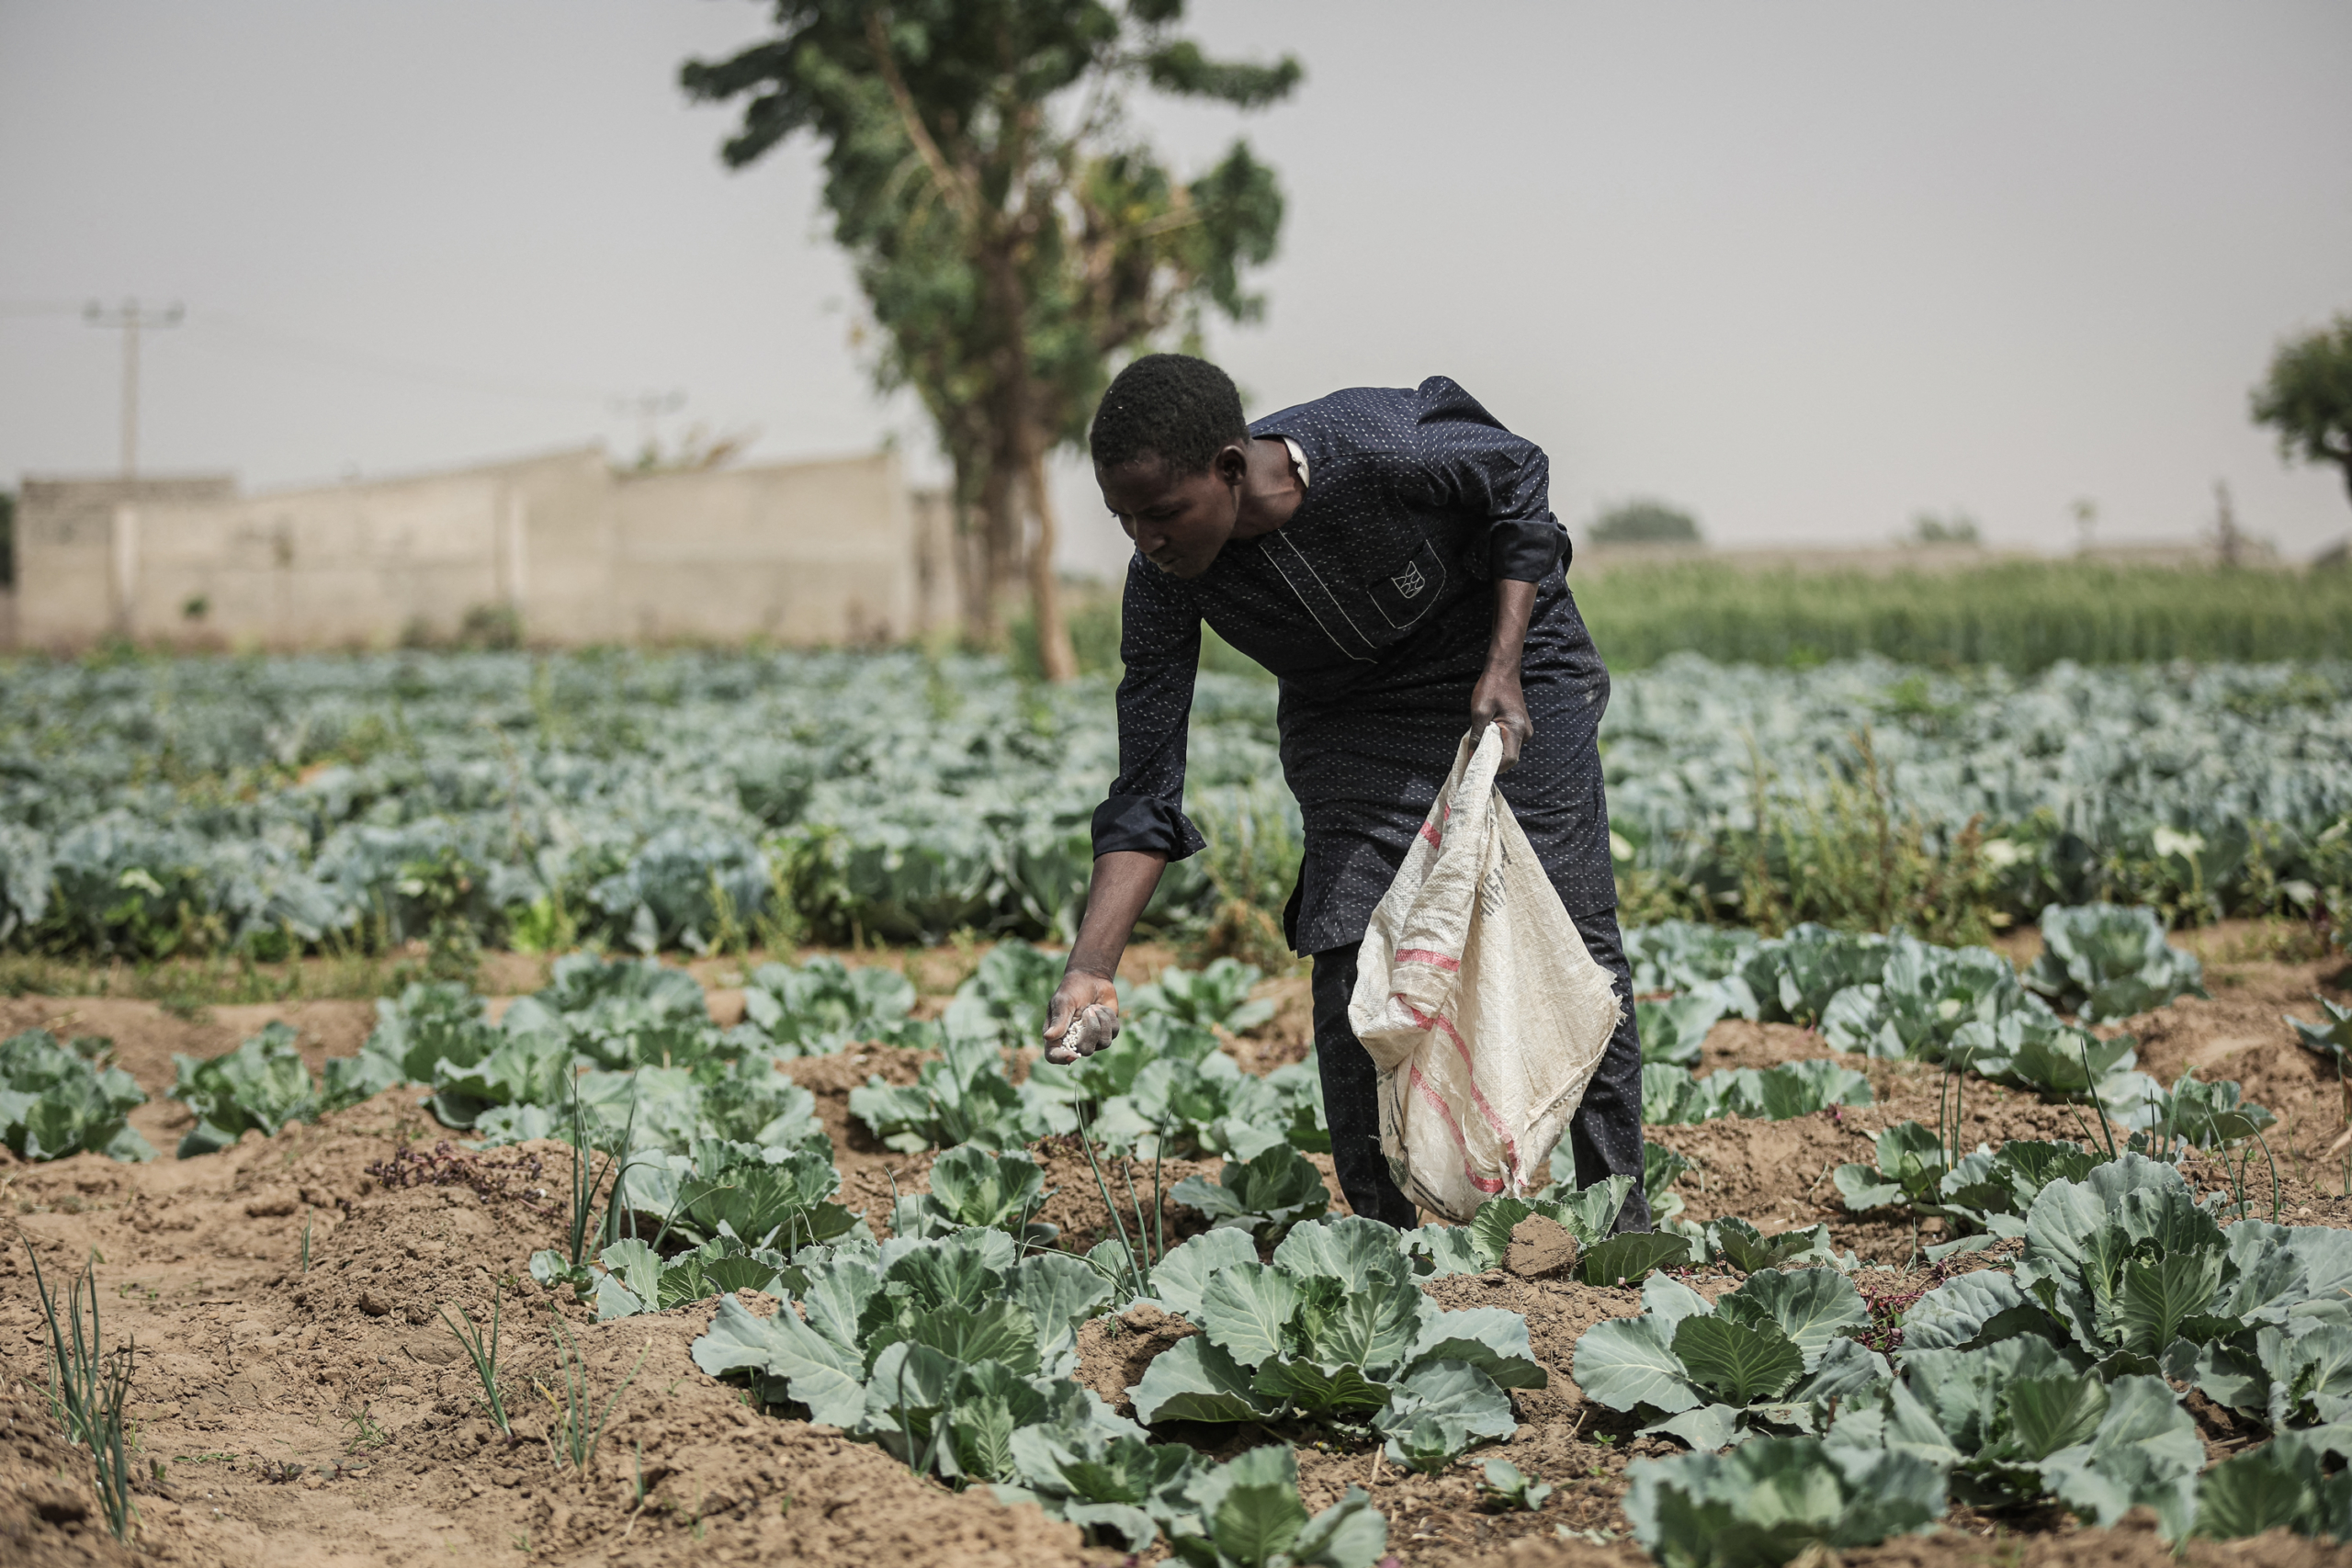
column 649, row 407
column 130, row 320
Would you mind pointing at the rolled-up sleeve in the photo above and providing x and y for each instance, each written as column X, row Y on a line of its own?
column 1468, row 463
column 1160, row 641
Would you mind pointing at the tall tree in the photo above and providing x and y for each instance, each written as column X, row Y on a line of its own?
column 1012, row 233
column 2307, row 396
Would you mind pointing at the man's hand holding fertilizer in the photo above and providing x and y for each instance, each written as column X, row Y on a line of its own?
column 1391, row 556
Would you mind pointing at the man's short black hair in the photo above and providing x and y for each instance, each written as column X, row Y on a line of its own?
column 1181, row 409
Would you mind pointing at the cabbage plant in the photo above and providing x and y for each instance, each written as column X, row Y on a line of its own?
column 2106, row 962
column 955, row 1353
column 1774, row 1499
column 259, row 1087
column 57, row 1100
column 1214, row 998
column 1768, row 1356
column 1792, row 1089
column 1335, row 1329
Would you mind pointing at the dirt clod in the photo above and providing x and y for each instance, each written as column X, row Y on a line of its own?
column 1539, row 1246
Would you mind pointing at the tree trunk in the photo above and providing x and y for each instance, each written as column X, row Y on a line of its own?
column 995, row 560
column 1055, row 655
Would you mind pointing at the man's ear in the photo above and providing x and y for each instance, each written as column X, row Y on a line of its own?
column 1231, row 464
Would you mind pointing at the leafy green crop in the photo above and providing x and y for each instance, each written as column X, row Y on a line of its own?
column 1681, row 956
column 1767, row 1501
column 56, row 1100
column 1765, row 1356
column 963, row 1097
column 1244, row 1513
column 1923, row 1000
column 2017, row 1419
column 969, row 1188
column 1673, row 1029
column 632, row 1277
column 2105, row 962
column 1334, row 1329
column 1986, row 1193
column 955, row 1353
column 778, row 1196
column 1265, row 1196
column 2331, row 1040
column 2056, row 1383
column 1507, row 1488
column 2032, row 1050
column 821, row 1006
column 260, row 1086
column 2283, row 1484
column 1215, row 997
column 1792, row 1089
column 1590, row 1215
column 689, row 797
column 1164, row 1087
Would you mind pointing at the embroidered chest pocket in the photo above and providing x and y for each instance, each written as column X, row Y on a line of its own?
column 1406, row 593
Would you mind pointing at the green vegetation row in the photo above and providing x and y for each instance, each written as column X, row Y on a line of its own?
column 2020, row 616
column 954, row 1343
column 347, row 806
column 2062, row 1377
column 2023, row 616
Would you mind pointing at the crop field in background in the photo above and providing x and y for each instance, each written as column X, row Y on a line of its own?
column 585, row 1106
column 2021, row 616
column 711, row 802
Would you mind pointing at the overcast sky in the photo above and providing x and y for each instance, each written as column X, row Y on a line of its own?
column 1806, row 268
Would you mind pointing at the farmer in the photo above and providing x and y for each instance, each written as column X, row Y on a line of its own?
column 1391, row 556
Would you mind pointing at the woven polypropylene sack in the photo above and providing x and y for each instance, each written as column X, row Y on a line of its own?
column 1478, row 1001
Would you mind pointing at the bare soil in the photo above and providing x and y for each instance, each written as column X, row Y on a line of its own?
column 329, row 1416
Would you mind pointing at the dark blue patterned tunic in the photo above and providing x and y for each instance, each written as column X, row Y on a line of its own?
column 1373, row 606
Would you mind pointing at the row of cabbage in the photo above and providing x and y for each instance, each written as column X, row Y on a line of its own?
column 654, row 1063
column 2058, row 1381
column 1896, row 997
column 686, row 798
column 951, row 1342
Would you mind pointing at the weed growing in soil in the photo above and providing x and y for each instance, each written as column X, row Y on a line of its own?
column 485, row 1356
column 365, row 1432
column 573, row 1439
column 108, row 1455
column 75, row 1359
column 1505, row 1488
column 1141, row 1254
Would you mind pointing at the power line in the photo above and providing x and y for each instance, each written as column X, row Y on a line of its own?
column 369, row 362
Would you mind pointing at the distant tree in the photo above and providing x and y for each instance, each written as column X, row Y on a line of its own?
column 1960, row 528
column 1646, row 523
column 1012, row 234
column 2307, row 396
column 8, row 538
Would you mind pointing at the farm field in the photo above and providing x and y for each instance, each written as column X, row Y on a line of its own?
column 2036, row 1223
column 700, row 801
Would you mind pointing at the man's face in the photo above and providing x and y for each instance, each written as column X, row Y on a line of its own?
column 1178, row 522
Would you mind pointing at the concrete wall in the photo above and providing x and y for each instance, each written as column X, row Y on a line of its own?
column 803, row 553
column 75, row 572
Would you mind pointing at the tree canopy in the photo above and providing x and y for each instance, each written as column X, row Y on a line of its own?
column 1010, row 230
column 2307, row 396
column 1646, row 523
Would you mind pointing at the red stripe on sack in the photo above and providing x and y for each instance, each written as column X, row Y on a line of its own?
column 1440, row 1021
column 1433, row 959
column 1430, row 833
column 1484, row 1184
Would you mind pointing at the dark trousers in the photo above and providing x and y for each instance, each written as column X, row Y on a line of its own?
column 1605, row 1135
